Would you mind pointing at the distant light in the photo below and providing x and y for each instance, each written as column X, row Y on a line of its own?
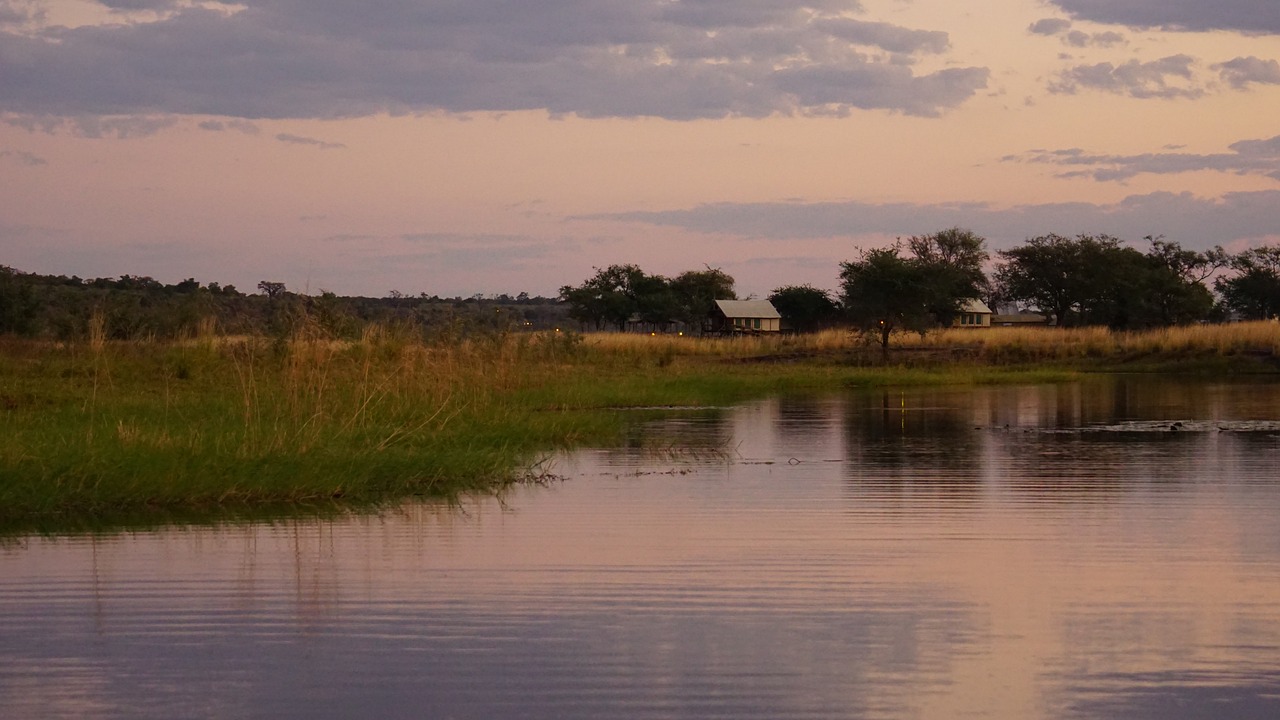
column 652, row 334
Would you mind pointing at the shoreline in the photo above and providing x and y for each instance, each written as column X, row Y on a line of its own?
column 114, row 433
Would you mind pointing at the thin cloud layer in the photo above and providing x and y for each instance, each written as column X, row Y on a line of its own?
column 272, row 59
column 1169, row 77
column 1245, row 71
column 23, row 158
column 1074, row 38
column 312, row 142
column 1195, row 221
column 1248, row 157
column 1250, row 16
column 20, row 12
column 95, row 126
column 243, row 126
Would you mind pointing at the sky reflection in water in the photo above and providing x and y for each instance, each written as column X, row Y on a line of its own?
column 1023, row 552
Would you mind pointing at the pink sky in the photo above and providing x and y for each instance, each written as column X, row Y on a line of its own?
column 454, row 147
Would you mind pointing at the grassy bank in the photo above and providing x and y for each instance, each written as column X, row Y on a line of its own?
column 105, row 429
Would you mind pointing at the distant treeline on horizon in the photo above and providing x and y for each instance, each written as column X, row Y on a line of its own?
column 134, row 307
column 921, row 283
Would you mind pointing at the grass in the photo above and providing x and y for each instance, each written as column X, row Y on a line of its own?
column 99, row 430
column 989, row 346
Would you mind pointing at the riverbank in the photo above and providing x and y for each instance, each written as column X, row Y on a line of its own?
column 100, row 430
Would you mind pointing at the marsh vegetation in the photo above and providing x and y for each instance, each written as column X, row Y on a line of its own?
column 101, row 427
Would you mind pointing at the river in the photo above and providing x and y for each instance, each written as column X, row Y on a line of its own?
column 1102, row 549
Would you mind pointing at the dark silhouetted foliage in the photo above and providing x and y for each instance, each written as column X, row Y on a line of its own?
column 805, row 308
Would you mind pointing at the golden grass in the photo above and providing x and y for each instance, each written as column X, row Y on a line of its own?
column 1261, row 338
column 996, row 345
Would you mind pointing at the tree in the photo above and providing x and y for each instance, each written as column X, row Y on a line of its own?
column 188, row 286
column 616, row 293
column 271, row 289
column 695, row 292
column 1097, row 280
column 652, row 299
column 956, row 248
column 805, row 308
column 1176, row 289
column 1254, row 289
column 1056, row 275
column 883, row 292
column 18, row 305
column 588, row 305
column 952, row 259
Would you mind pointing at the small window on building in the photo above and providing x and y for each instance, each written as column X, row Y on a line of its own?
column 757, row 323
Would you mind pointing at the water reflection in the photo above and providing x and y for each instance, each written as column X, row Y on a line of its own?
column 1028, row 552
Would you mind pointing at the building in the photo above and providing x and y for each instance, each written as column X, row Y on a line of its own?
column 636, row 324
column 732, row 317
column 973, row 314
column 1021, row 319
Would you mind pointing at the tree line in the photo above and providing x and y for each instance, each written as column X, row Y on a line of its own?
column 133, row 307
column 917, row 284
column 925, row 281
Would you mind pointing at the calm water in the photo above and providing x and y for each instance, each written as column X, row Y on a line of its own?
column 1020, row 552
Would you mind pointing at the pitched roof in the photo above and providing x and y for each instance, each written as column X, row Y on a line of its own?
column 974, row 306
column 747, row 309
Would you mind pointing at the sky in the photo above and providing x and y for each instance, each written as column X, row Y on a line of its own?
column 456, row 147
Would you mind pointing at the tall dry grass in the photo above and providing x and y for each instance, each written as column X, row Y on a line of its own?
column 1048, row 344
column 997, row 345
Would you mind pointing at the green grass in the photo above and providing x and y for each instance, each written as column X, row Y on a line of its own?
column 102, row 432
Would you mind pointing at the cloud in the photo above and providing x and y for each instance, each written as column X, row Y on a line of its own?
column 1250, row 16
column 1077, row 38
column 1074, row 38
column 467, row 239
column 93, row 126
column 130, row 5
column 300, row 140
column 888, row 37
column 271, row 59
column 20, row 12
column 1269, row 148
column 1169, row 77
column 1248, row 157
column 1242, row 71
column 23, row 158
column 1195, row 221
column 243, row 126
column 1050, row 26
